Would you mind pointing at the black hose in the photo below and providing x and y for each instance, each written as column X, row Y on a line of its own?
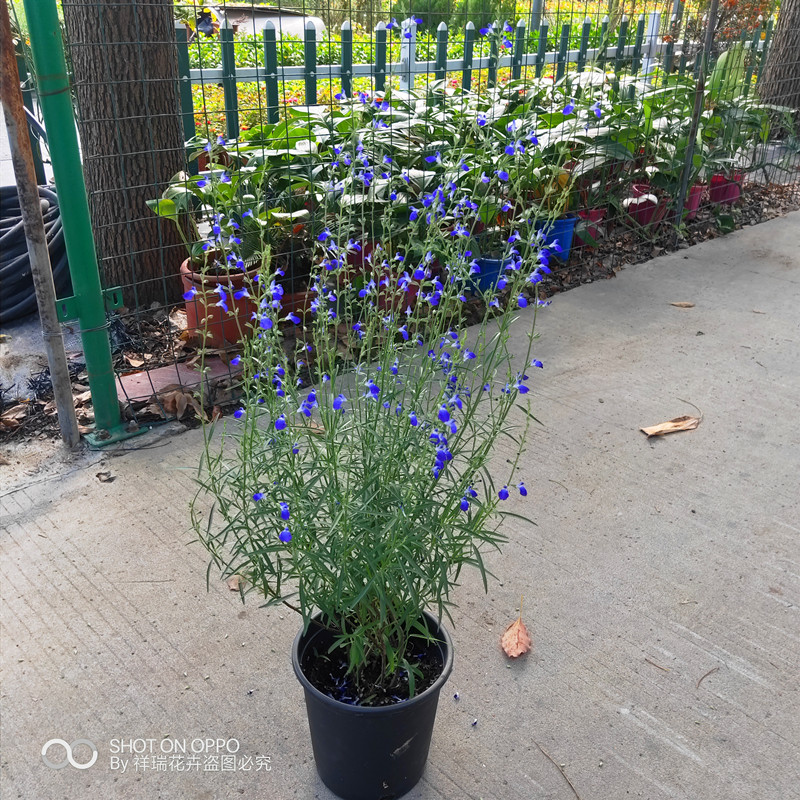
column 17, row 296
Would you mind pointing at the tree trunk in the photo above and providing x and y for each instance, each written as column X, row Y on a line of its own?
column 125, row 72
column 780, row 83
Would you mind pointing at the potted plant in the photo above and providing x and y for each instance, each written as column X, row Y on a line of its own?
column 229, row 220
column 359, row 502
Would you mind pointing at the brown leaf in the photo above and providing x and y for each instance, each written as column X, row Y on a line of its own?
column 134, row 361
column 516, row 640
column 216, row 413
column 234, row 582
column 105, row 477
column 685, row 423
column 82, row 398
column 178, row 319
column 682, row 304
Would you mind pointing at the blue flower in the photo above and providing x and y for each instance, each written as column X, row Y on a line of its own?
column 569, row 108
column 285, row 536
column 225, row 178
column 241, row 293
column 503, row 493
column 258, row 496
column 339, row 401
column 293, row 318
column 414, row 214
column 373, row 390
column 280, row 423
column 537, row 363
column 412, row 418
column 502, row 174
column 522, row 490
column 464, row 504
column 522, row 302
column 239, row 413
column 444, row 414
column 202, row 182
column 324, row 236
column 437, row 159
column 597, row 110
column 236, row 360
column 190, row 294
column 482, row 119
column 284, row 511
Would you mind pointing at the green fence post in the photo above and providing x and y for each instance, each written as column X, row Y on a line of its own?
column 684, row 49
column 519, row 50
column 621, row 40
column 601, row 56
column 229, row 80
column 765, row 46
column 585, row 32
column 185, row 88
column 669, row 53
column 310, row 63
column 636, row 61
column 491, row 72
column 561, row 65
column 469, row 49
column 541, row 50
column 346, row 38
column 752, row 56
column 271, row 71
column 88, row 304
column 380, row 57
column 440, row 68
column 27, row 101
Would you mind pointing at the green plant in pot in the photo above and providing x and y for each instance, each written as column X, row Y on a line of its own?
column 356, row 483
column 229, row 222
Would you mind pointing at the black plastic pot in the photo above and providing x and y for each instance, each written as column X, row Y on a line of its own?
column 366, row 753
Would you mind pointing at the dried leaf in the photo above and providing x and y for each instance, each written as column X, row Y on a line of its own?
column 685, row 423
column 134, row 361
column 516, row 640
column 682, row 304
column 178, row 319
column 216, row 413
column 234, row 582
column 105, row 477
column 82, row 398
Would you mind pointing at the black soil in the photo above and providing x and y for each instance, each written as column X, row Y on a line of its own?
column 328, row 673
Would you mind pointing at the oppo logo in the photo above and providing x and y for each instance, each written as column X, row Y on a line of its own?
column 70, row 759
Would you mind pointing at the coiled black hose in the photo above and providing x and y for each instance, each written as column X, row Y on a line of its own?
column 17, row 297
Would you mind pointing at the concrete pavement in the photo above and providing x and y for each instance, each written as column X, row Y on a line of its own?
column 661, row 583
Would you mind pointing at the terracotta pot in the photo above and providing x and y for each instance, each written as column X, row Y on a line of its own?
column 693, row 198
column 725, row 190
column 202, row 315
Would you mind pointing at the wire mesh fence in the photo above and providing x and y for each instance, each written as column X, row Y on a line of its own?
column 222, row 140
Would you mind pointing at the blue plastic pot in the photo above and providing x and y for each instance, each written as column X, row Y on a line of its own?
column 561, row 231
column 491, row 269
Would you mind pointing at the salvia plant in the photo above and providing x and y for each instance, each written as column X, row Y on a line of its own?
column 378, row 442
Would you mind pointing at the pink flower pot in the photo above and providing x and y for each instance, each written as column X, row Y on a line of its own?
column 725, row 190
column 643, row 206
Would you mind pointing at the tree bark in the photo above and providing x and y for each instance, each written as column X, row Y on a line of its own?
column 125, row 72
column 780, row 83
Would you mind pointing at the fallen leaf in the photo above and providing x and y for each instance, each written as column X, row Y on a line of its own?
column 685, row 423
column 516, row 640
column 682, row 304
column 105, row 477
column 216, row 413
column 234, row 582
column 134, row 361
column 82, row 398
column 178, row 319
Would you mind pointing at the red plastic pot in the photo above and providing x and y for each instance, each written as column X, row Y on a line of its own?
column 725, row 190
column 203, row 315
column 693, row 198
column 592, row 217
column 644, row 207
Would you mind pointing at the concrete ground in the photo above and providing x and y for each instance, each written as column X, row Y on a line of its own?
column 661, row 583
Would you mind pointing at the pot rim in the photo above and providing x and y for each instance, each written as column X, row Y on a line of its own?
column 200, row 278
column 442, row 636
